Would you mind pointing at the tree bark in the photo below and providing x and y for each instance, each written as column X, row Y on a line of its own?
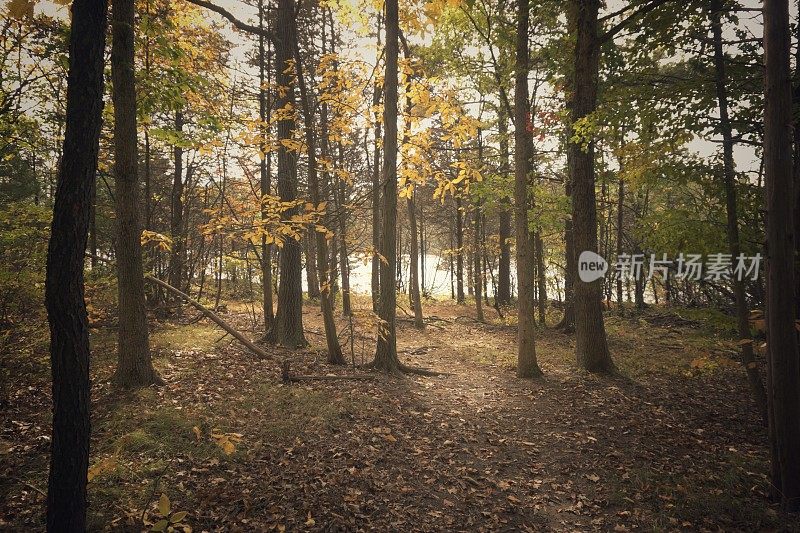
column 318, row 240
column 66, row 309
column 542, row 276
column 459, row 252
column 386, row 351
column 414, row 292
column 527, row 365
column 591, row 347
column 729, row 177
column 288, row 329
column 477, row 268
column 376, row 191
column 176, row 257
column 503, row 296
column 312, row 273
column 134, row 366
column 344, row 259
column 620, row 222
column 784, row 364
column 265, row 162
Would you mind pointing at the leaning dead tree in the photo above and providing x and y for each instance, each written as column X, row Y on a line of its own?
column 210, row 314
column 203, row 309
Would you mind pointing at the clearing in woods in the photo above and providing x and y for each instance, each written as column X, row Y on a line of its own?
column 672, row 443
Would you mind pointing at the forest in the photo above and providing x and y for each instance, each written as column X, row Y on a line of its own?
column 399, row 265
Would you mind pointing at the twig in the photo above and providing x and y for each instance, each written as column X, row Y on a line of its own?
column 32, row 487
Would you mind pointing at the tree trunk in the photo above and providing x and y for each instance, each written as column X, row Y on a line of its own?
column 93, row 229
column 527, row 365
column 742, row 314
column 620, row 222
column 386, row 351
column 796, row 171
column 66, row 309
column 503, row 296
column 312, row 273
column 414, row 294
column 288, row 329
column 784, row 364
column 176, row 218
column 134, row 367
column 376, row 191
column 459, row 252
column 591, row 347
column 344, row 260
column 265, row 164
column 542, row 276
column 477, row 269
column 422, row 254
column 318, row 240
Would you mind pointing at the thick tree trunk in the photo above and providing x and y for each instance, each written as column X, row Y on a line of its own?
column 265, row 164
column 288, row 329
column 66, row 309
column 386, row 351
column 742, row 312
column 784, row 364
column 134, row 367
column 527, row 365
column 591, row 347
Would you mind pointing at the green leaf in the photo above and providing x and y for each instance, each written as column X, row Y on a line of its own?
column 177, row 517
column 161, row 525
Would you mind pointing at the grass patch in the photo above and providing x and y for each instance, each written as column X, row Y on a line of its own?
column 197, row 337
column 286, row 412
column 696, row 500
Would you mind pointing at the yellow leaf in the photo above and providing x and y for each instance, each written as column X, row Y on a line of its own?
column 18, row 9
column 310, row 521
column 163, row 505
column 105, row 465
column 197, row 433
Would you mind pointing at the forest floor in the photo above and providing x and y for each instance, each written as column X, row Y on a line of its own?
column 671, row 443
